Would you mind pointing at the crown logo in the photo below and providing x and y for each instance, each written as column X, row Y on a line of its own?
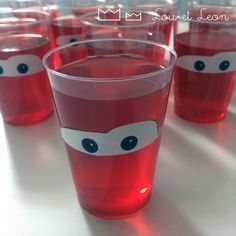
column 133, row 16
column 109, row 15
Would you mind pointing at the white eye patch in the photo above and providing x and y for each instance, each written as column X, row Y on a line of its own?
column 219, row 63
column 121, row 140
column 21, row 65
column 66, row 39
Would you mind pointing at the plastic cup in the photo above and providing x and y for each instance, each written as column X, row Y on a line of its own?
column 25, row 94
column 205, row 71
column 111, row 109
column 98, row 25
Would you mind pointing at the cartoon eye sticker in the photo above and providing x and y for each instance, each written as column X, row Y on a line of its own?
column 66, row 39
column 21, row 65
column 219, row 63
column 121, row 140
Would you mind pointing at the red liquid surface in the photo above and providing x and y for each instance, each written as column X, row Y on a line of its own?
column 203, row 97
column 24, row 99
column 117, row 47
column 115, row 185
column 19, row 25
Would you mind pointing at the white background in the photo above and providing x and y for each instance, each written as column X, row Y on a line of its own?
column 194, row 192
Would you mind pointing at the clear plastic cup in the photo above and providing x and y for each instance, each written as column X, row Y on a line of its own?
column 25, row 95
column 149, row 20
column 206, row 69
column 111, row 108
column 98, row 25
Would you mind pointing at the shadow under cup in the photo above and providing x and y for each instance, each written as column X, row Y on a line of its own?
column 111, row 108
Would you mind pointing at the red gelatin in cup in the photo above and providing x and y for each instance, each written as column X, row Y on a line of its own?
column 25, row 94
column 112, row 180
column 205, row 75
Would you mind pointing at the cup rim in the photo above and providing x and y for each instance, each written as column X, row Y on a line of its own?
column 109, row 80
column 196, row 4
column 97, row 25
column 167, row 2
column 220, row 22
column 38, row 3
column 26, row 10
column 47, row 41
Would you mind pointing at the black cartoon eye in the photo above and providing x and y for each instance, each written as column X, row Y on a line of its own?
column 73, row 40
column 224, row 65
column 89, row 145
column 199, row 65
column 129, row 143
column 1, row 70
column 22, row 68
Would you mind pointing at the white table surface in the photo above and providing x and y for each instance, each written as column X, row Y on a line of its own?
column 194, row 192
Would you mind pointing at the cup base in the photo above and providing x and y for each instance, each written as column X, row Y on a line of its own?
column 200, row 120
column 27, row 120
column 116, row 215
